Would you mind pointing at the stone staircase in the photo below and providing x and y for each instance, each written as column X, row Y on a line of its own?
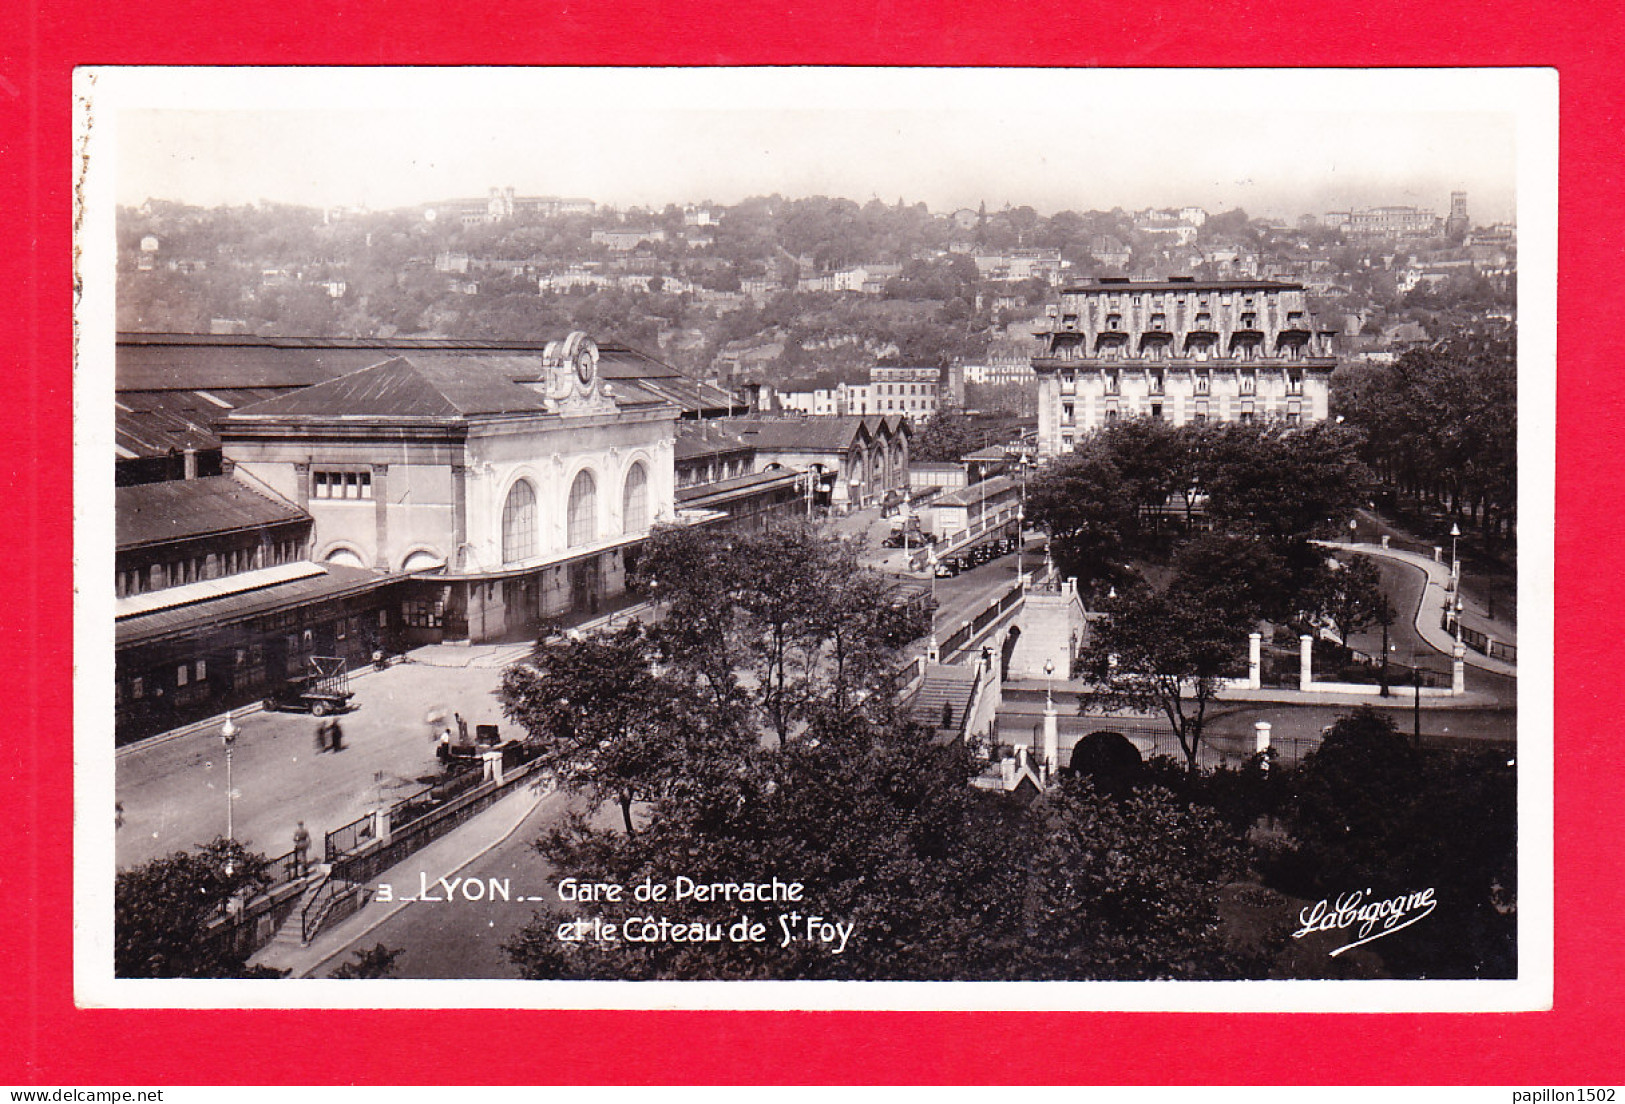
column 944, row 685
column 290, row 934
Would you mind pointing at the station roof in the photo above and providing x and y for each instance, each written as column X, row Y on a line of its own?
column 817, row 433
column 174, row 389
column 181, row 509
column 402, row 388
column 329, row 582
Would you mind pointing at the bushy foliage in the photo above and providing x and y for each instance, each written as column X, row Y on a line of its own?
column 162, row 911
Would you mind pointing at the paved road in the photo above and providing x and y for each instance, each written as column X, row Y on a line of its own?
column 1404, row 583
column 173, row 792
column 460, row 938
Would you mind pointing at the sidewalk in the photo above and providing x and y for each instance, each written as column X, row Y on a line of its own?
column 442, row 858
column 1431, row 609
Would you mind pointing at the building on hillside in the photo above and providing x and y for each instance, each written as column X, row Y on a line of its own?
column 918, row 392
column 819, row 402
column 1001, row 369
column 624, row 241
column 1179, row 351
column 503, row 205
column 1109, row 251
column 1392, row 223
column 1457, row 223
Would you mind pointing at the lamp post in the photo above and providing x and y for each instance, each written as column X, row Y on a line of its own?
column 1049, row 685
column 1455, row 561
column 1021, row 519
column 1354, row 523
column 1458, row 617
column 228, row 736
column 931, row 569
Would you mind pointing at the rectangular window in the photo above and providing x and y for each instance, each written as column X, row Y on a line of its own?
column 138, row 688
column 180, row 675
column 200, row 670
column 341, row 484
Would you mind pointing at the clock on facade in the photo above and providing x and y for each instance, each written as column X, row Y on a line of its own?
column 585, row 367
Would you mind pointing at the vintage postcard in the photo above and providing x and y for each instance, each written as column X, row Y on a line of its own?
column 815, row 538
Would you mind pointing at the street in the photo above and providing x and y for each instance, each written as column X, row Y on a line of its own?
column 173, row 791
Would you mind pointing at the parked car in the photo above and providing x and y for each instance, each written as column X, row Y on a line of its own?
column 324, row 689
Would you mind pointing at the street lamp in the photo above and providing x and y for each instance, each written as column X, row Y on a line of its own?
column 931, row 569
column 1021, row 520
column 1458, row 617
column 228, row 736
column 1049, row 685
column 1354, row 523
column 1455, row 562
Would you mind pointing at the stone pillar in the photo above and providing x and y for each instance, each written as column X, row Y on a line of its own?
column 493, row 766
column 932, row 654
column 380, row 516
column 380, row 825
column 1458, row 670
column 1255, row 660
column 1306, row 660
column 1052, row 741
column 1385, row 540
column 459, row 516
column 1438, row 554
column 1261, row 731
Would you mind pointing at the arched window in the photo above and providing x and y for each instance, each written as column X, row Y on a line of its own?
column 635, row 500
column 519, row 523
column 583, row 511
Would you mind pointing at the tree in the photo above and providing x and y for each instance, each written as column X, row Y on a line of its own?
column 1227, row 571
column 378, row 962
column 790, row 604
column 938, row 880
column 946, row 437
column 604, row 717
column 1085, row 505
column 1126, row 888
column 1369, row 811
column 1163, row 654
column 1283, row 484
column 1441, row 423
column 1153, row 457
column 162, row 911
column 1350, row 596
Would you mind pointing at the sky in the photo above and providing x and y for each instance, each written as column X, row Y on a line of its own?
column 1276, row 143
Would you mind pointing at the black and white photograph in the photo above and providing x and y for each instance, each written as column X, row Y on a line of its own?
column 991, row 538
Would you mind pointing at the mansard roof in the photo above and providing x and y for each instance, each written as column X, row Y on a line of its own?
column 406, row 388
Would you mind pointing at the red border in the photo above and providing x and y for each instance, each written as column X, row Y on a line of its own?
column 48, row 1041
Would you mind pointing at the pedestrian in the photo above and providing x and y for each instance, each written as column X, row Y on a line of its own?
column 335, row 734
column 443, row 749
column 301, row 850
column 321, row 735
column 462, row 728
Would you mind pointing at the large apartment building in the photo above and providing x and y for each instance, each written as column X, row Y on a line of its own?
column 1180, row 351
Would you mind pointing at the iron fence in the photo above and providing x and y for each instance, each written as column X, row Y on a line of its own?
column 1482, row 643
column 350, row 837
